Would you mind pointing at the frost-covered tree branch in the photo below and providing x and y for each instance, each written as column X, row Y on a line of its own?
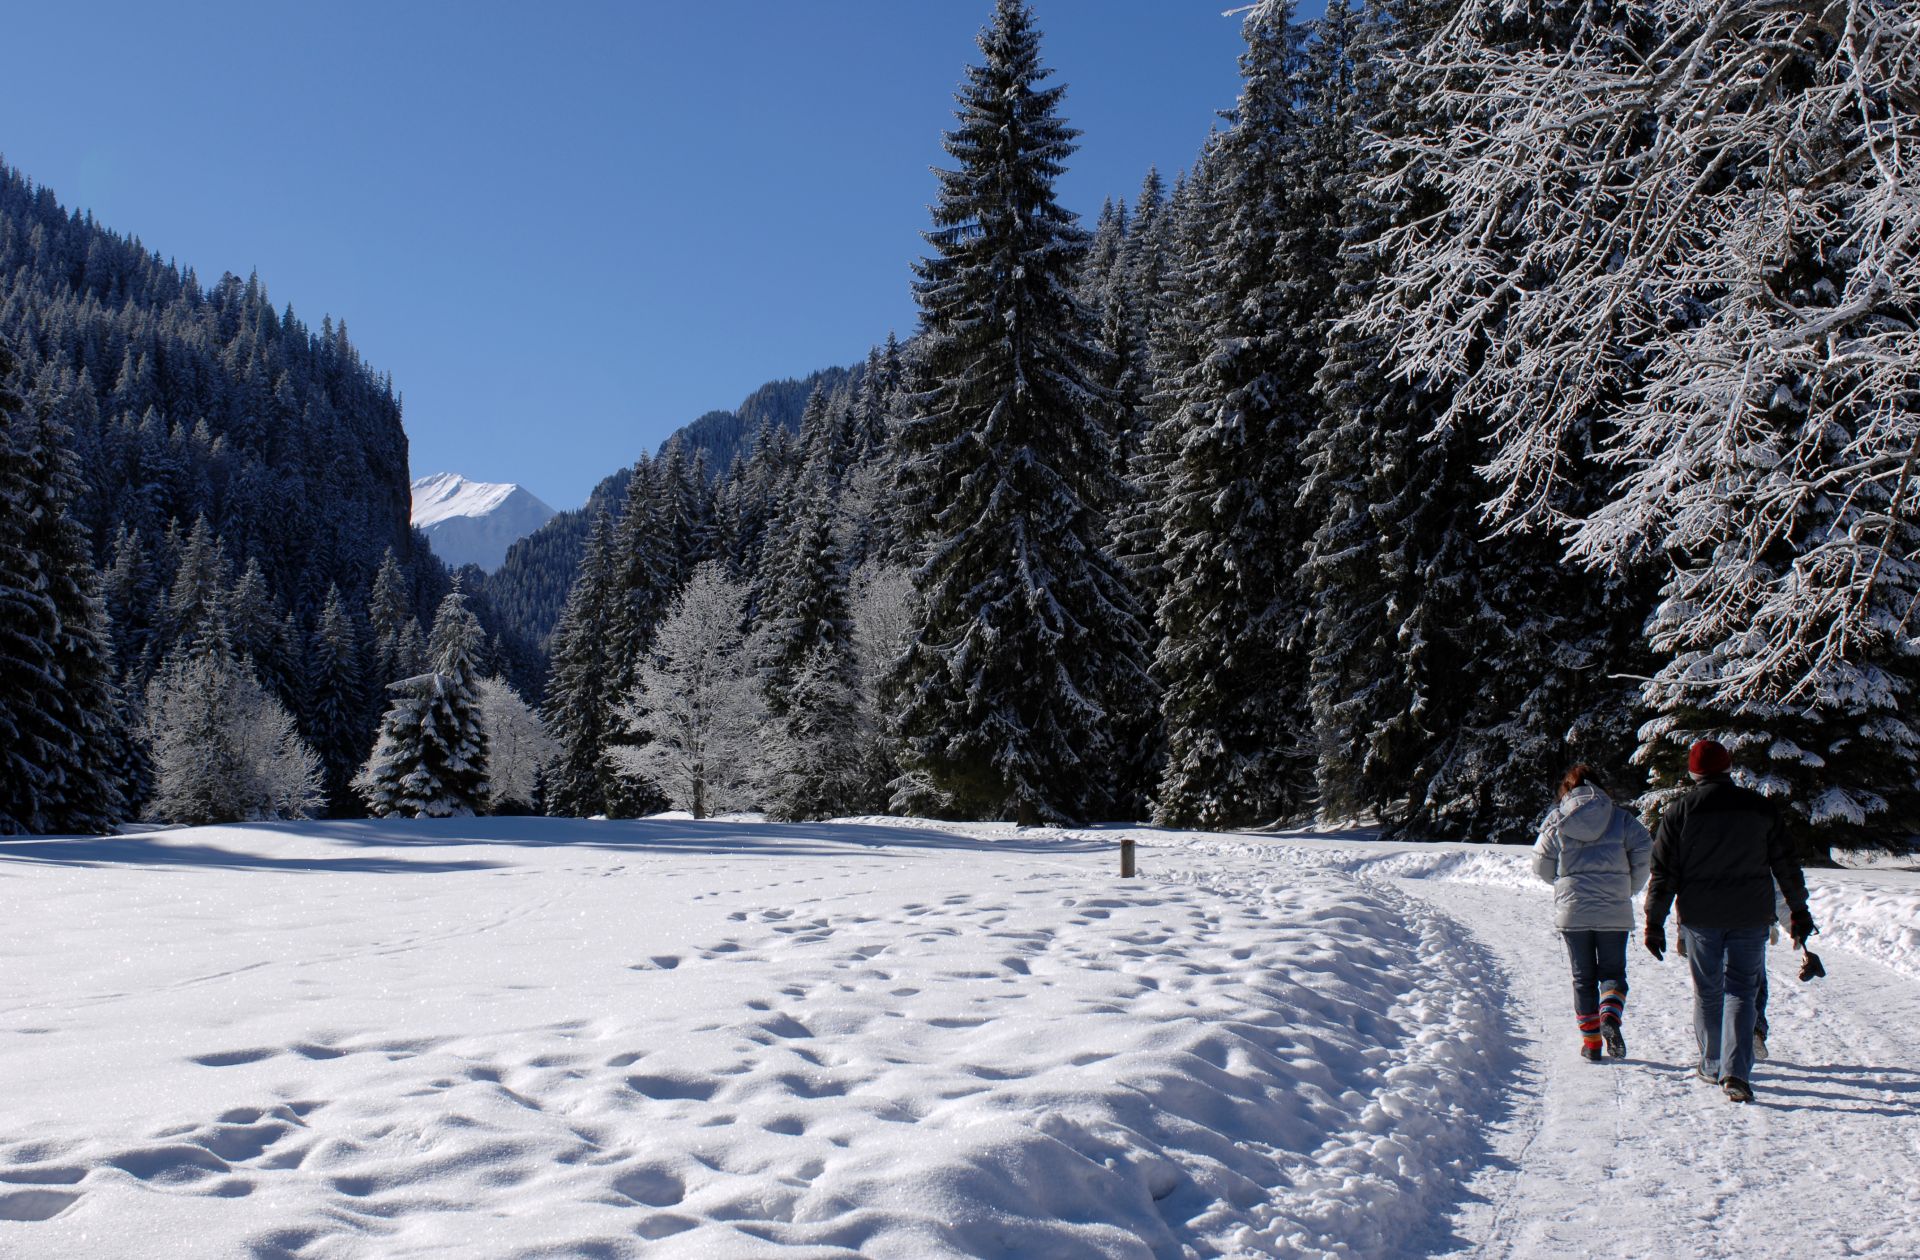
column 1684, row 237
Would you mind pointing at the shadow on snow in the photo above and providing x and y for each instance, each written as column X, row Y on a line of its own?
column 677, row 836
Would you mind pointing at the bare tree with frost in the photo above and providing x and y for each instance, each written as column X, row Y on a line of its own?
column 697, row 701
column 517, row 744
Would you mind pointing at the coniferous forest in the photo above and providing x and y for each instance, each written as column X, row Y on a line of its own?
column 1500, row 386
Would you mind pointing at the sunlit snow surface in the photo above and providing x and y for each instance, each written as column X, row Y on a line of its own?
column 667, row 1038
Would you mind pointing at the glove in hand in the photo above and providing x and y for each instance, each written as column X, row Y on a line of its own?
column 1656, row 940
column 1800, row 926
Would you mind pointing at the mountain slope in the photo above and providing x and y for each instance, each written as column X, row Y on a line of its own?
column 474, row 522
column 531, row 583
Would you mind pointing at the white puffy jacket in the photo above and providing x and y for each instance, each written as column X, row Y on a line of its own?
column 1596, row 856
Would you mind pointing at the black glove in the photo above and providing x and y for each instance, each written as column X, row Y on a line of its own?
column 1800, row 927
column 1657, row 940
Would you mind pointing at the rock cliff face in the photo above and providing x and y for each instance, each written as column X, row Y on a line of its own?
column 474, row 522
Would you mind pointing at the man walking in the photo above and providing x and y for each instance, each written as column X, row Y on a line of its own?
column 1719, row 850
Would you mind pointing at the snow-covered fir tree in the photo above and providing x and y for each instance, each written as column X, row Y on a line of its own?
column 805, row 656
column 698, row 701
column 1030, row 635
column 581, row 689
column 223, row 749
column 430, row 758
column 881, row 599
column 199, row 583
column 60, row 720
column 336, row 703
column 399, row 647
column 1717, row 372
column 1233, row 660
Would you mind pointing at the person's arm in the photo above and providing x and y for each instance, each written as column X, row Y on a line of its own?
column 1788, row 881
column 1663, row 866
column 1546, row 850
column 1639, row 854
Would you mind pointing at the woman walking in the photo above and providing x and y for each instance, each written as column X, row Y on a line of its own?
column 1596, row 856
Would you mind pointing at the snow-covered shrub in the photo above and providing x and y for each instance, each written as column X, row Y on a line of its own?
column 223, row 749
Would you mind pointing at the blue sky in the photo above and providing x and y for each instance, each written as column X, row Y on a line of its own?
column 568, row 229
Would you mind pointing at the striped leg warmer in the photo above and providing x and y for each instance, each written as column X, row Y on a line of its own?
column 1590, row 1032
column 1613, row 1002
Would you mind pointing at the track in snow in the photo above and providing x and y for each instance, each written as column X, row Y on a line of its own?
column 1640, row 1158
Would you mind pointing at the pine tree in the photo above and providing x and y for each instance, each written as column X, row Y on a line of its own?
column 1029, row 632
column 430, row 759
column 199, row 585
column 1234, row 658
column 59, row 717
column 805, row 654
column 580, row 688
column 883, row 615
column 336, row 702
column 399, row 650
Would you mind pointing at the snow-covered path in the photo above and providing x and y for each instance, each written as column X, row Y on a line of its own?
column 1640, row 1158
column 539, row 1038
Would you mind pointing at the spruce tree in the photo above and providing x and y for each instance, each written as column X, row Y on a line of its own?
column 199, row 584
column 1028, row 631
column 581, row 686
column 805, row 654
column 1234, row 659
column 336, row 703
column 60, row 736
column 430, row 759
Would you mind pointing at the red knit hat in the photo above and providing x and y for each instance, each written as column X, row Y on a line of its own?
column 1707, row 758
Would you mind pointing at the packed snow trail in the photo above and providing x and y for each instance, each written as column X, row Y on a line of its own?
column 1640, row 1158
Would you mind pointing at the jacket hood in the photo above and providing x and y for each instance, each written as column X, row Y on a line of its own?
column 1585, row 813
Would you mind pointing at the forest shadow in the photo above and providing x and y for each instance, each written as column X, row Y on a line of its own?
column 139, row 850
column 680, row 835
column 253, row 842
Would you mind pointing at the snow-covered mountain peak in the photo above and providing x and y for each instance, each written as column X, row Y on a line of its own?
column 443, row 495
column 474, row 522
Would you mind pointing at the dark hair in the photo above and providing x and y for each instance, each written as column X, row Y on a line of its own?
column 1581, row 775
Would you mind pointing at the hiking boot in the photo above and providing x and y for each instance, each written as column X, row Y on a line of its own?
column 1590, row 1053
column 1737, row 1090
column 1616, row 1044
column 1759, row 1046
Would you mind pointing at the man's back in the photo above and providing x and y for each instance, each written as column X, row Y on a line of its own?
column 1719, row 849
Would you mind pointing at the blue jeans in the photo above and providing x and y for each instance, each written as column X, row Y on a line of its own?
column 1726, row 964
column 1599, row 974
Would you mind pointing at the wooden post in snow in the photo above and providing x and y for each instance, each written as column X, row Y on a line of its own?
column 1126, row 858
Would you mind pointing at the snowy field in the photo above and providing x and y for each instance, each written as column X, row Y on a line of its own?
column 519, row 1038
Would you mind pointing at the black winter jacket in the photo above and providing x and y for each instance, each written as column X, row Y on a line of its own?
column 1720, row 849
